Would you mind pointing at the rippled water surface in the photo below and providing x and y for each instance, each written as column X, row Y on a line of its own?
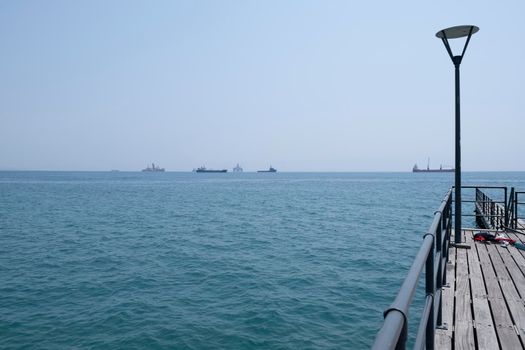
column 207, row 261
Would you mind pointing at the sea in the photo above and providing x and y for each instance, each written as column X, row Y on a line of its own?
column 131, row 260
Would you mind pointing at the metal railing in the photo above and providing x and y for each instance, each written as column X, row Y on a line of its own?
column 491, row 213
column 500, row 215
column 518, row 221
column 433, row 256
column 511, row 209
column 515, row 222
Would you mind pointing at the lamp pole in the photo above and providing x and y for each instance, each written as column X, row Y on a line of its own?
column 457, row 172
column 444, row 35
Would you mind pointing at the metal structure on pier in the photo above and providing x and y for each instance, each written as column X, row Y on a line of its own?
column 446, row 34
column 472, row 290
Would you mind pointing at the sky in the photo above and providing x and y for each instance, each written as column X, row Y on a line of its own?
column 300, row 85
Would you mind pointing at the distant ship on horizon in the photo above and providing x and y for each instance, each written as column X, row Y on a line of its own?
column 153, row 168
column 203, row 169
column 237, row 169
column 271, row 170
column 415, row 169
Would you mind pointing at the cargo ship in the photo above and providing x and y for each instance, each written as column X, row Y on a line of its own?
column 271, row 170
column 415, row 169
column 203, row 169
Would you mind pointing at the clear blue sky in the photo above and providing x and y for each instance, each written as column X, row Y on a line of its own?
column 301, row 85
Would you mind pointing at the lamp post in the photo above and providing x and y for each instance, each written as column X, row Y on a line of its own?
column 444, row 35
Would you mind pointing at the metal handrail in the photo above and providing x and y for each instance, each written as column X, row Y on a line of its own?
column 494, row 214
column 432, row 255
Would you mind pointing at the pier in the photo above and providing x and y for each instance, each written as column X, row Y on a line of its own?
column 483, row 302
column 474, row 291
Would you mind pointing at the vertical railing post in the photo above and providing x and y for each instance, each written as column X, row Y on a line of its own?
column 516, row 210
column 506, row 222
column 430, row 279
column 449, row 227
column 501, row 217
column 510, row 209
column 439, row 279
column 476, row 203
column 485, row 204
column 491, row 213
column 402, row 341
column 439, row 250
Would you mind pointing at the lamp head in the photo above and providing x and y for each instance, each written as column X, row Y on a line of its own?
column 454, row 33
column 457, row 32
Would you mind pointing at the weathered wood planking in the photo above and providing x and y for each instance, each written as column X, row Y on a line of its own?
column 483, row 305
column 512, row 267
column 443, row 337
column 517, row 254
column 507, row 336
column 518, row 280
column 485, row 330
column 519, row 238
column 516, row 307
column 463, row 328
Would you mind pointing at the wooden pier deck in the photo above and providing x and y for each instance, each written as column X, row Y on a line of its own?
column 484, row 300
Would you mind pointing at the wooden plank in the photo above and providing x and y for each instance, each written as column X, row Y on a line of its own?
column 518, row 279
column 513, row 269
column 517, row 254
column 443, row 337
column 517, row 309
column 485, row 329
column 507, row 336
column 463, row 327
column 519, row 238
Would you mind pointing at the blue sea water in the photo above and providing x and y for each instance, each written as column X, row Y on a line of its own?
column 122, row 260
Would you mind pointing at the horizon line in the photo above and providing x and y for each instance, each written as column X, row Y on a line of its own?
column 251, row 171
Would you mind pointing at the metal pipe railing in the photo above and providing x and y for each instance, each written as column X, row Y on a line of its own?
column 432, row 255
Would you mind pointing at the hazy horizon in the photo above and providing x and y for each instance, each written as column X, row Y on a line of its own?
column 255, row 171
column 305, row 86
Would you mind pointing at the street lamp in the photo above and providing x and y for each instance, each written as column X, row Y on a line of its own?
column 444, row 35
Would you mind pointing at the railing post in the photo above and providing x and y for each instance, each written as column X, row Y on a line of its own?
column 506, row 223
column 430, row 279
column 439, row 277
column 402, row 341
column 476, row 203
column 492, row 214
column 485, row 204
column 449, row 228
column 516, row 210
column 510, row 209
